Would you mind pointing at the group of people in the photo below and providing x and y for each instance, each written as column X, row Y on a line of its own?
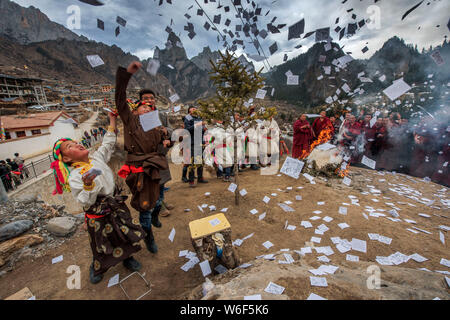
column 88, row 139
column 419, row 148
column 113, row 234
column 12, row 172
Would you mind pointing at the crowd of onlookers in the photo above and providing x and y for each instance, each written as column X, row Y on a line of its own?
column 420, row 147
column 14, row 172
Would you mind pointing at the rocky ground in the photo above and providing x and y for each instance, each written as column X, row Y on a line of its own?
column 30, row 227
column 371, row 201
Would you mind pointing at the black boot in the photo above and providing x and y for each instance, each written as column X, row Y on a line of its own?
column 200, row 175
column 191, row 178
column 94, row 278
column 184, row 175
column 155, row 217
column 132, row 264
column 150, row 241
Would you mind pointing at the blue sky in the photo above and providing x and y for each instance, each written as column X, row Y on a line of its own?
column 146, row 28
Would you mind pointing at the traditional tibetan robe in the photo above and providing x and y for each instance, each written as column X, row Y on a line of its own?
column 143, row 160
column 320, row 124
column 302, row 138
column 113, row 234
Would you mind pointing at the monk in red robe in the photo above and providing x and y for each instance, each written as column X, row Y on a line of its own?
column 369, row 133
column 303, row 135
column 322, row 123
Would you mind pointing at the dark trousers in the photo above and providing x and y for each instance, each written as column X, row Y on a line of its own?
column 199, row 174
column 145, row 217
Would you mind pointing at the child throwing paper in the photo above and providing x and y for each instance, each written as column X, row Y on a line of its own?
column 113, row 235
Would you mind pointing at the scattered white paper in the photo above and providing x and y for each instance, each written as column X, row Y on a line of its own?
column 113, row 280
column 260, row 94
column 232, row 187
column 314, row 296
column 95, row 60
column 397, row 89
column 347, row 181
column 292, row 167
column 243, row 192
column 267, row 244
column 343, row 210
column 174, row 98
column 214, row 222
column 206, row 268
column 359, row 245
column 153, row 66
column 306, row 224
column 316, row 239
column 445, row 262
column 274, row 288
column 262, row 216
column 253, row 297
column 150, row 120
column 57, row 259
column 368, row 162
column 353, row 258
column 266, row 199
column 343, row 225
column 318, row 282
column 172, row 234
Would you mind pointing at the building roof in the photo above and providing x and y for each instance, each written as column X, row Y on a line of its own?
column 92, row 100
column 35, row 120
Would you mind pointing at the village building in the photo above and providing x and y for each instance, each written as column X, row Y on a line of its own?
column 29, row 89
column 34, row 134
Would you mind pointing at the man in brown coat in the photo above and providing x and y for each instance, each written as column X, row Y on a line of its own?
column 143, row 161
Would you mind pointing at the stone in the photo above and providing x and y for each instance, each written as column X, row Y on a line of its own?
column 12, row 245
column 14, row 229
column 27, row 199
column 61, row 226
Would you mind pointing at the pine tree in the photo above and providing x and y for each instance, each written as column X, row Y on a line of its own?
column 235, row 86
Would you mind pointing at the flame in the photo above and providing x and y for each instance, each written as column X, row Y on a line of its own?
column 342, row 173
column 324, row 136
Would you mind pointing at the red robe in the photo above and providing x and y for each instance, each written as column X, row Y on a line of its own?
column 321, row 123
column 370, row 138
column 302, row 138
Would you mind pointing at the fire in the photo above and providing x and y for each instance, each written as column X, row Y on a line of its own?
column 324, row 136
column 342, row 173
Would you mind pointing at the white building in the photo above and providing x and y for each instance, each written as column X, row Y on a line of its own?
column 34, row 134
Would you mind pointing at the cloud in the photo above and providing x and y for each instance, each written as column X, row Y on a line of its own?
column 146, row 28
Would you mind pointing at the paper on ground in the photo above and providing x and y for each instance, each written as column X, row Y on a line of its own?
column 274, row 288
column 268, row 244
column 206, row 268
column 353, row 258
column 359, row 245
column 368, row 162
column 318, row 281
column 253, row 297
column 314, row 296
column 243, row 192
column 113, row 280
column 57, row 259
column 292, row 167
column 172, row 234
column 232, row 187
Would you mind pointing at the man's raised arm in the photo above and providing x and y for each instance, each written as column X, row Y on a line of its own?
column 123, row 76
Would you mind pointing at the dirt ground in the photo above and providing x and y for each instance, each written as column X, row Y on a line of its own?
column 47, row 281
